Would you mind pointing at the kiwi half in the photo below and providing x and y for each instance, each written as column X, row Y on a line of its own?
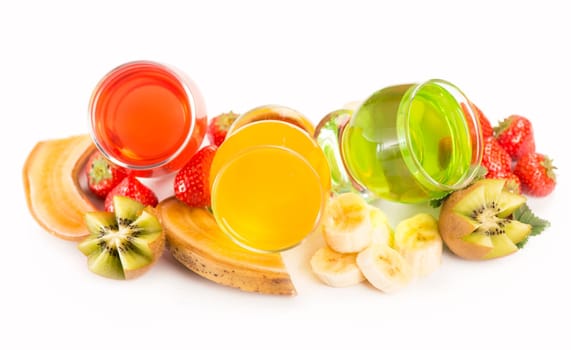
column 478, row 223
column 123, row 244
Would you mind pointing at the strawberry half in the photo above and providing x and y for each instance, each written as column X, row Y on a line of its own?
column 515, row 135
column 535, row 171
column 134, row 189
column 218, row 127
column 192, row 182
column 102, row 175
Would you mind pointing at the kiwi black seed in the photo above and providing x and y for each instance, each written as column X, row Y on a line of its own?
column 125, row 243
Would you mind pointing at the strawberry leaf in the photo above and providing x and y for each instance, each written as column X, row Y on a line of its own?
column 524, row 215
column 437, row 202
column 481, row 172
column 502, row 126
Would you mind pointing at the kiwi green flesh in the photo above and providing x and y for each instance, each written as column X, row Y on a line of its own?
column 119, row 244
column 517, row 231
column 503, row 245
column 508, row 202
column 479, row 239
column 149, row 226
column 126, row 208
column 96, row 222
column 474, row 199
column 106, row 264
column 488, row 208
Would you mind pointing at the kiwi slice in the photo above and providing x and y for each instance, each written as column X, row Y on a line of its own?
column 125, row 243
column 478, row 222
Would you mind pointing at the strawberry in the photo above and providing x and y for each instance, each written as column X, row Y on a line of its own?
column 495, row 159
column 513, row 183
column 515, row 135
column 192, row 182
column 218, row 127
column 485, row 124
column 535, row 171
column 132, row 188
column 102, row 175
column 498, row 164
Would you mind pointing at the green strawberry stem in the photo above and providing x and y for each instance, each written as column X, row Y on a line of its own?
column 547, row 163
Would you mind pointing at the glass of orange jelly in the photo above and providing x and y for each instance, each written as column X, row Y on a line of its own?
column 147, row 117
column 269, row 184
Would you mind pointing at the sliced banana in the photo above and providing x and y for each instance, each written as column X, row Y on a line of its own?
column 418, row 240
column 347, row 224
column 384, row 267
column 336, row 269
column 382, row 232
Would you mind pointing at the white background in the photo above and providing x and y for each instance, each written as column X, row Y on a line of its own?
column 314, row 57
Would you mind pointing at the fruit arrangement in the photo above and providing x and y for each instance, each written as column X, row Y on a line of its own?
column 123, row 228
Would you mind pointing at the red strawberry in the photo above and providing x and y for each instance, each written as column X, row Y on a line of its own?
column 535, row 171
column 132, row 188
column 515, row 135
column 218, row 127
column 513, row 184
column 192, row 182
column 485, row 124
column 102, row 175
column 495, row 159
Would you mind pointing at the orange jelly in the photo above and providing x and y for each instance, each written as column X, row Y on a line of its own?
column 269, row 183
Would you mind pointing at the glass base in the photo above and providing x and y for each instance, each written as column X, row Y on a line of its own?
column 328, row 135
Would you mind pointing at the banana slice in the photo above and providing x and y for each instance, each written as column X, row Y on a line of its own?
column 418, row 240
column 347, row 224
column 384, row 268
column 381, row 233
column 336, row 269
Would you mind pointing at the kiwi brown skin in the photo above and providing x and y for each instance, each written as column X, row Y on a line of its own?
column 454, row 227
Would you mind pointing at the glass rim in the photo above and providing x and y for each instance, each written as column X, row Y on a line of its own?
column 230, row 232
column 421, row 174
column 280, row 109
column 123, row 70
